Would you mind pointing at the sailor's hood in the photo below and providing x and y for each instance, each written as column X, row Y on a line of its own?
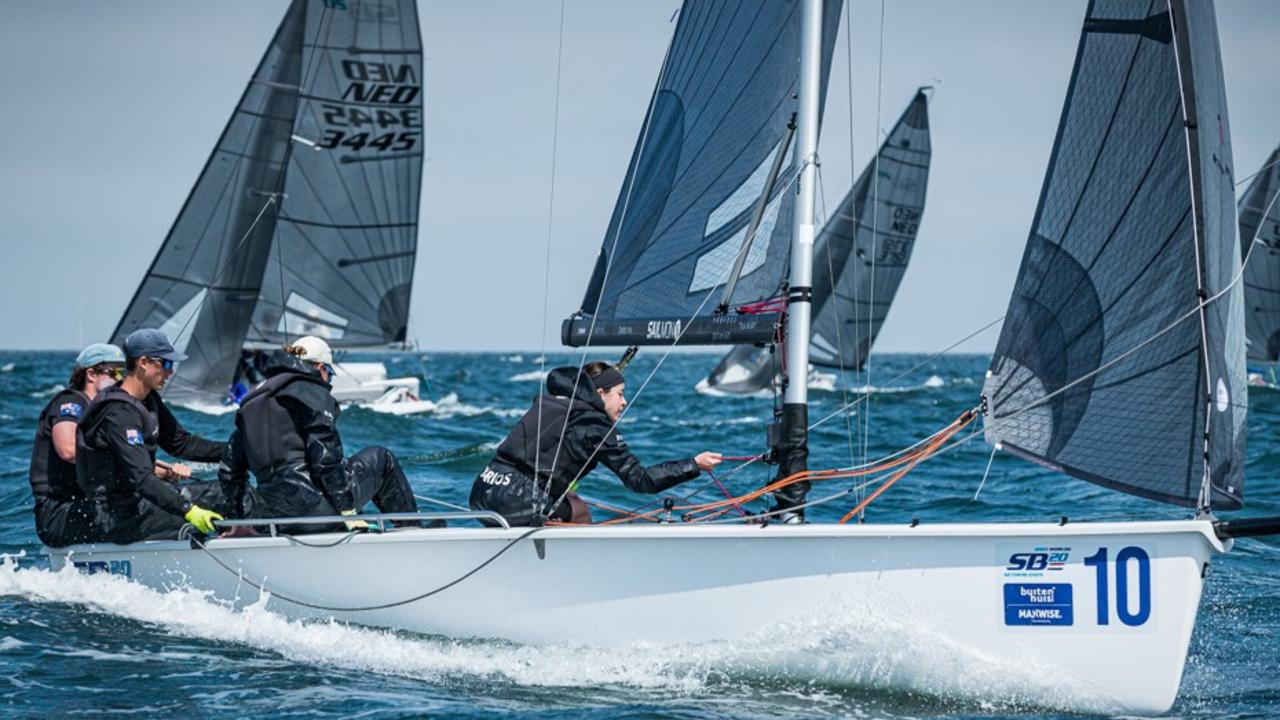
column 284, row 362
column 561, row 381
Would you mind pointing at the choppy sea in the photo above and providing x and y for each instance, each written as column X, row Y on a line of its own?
column 96, row 646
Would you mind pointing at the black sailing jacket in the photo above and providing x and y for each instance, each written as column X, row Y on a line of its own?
column 589, row 439
column 286, row 434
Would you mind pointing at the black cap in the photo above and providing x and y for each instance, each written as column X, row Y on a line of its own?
column 152, row 343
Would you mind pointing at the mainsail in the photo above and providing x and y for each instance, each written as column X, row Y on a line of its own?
column 858, row 260
column 1260, row 230
column 718, row 118
column 1121, row 359
column 308, row 202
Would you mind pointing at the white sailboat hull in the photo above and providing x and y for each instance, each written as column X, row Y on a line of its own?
column 1018, row 596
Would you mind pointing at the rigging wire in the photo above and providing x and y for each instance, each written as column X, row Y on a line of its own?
column 875, row 248
column 604, row 280
column 546, row 278
column 915, row 367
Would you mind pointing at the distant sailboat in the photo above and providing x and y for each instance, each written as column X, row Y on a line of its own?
column 304, row 220
column 858, row 261
column 1260, row 231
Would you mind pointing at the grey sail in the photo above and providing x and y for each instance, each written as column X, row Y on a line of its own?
column 859, row 259
column 202, row 287
column 1108, row 367
column 308, row 203
column 1260, row 228
column 717, row 120
column 341, row 266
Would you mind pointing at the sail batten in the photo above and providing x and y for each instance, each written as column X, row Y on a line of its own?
column 716, row 120
column 1111, row 365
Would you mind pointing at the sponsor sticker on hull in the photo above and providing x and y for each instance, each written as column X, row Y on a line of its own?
column 1038, row 604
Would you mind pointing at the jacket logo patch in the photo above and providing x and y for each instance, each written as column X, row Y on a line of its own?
column 70, row 409
column 133, row 436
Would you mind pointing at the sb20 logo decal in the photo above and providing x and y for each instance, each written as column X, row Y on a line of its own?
column 114, row 567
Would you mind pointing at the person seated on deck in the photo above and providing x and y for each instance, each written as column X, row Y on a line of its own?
column 286, row 434
column 116, row 443
column 582, row 407
column 63, row 514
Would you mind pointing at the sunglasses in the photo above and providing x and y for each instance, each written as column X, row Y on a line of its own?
column 166, row 364
column 116, row 373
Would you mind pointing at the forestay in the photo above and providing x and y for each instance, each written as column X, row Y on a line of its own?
column 1109, row 367
column 716, row 121
column 347, row 233
column 203, row 284
column 1260, row 229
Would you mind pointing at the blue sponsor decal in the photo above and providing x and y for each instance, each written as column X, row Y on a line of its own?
column 133, row 436
column 115, row 567
column 1037, row 604
column 70, row 409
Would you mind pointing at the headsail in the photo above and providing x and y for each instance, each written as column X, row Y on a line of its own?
column 203, row 284
column 347, row 233
column 1109, row 366
column 1260, row 228
column 858, row 260
column 717, row 119
column 309, row 200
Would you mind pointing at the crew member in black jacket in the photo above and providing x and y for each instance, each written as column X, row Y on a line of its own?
column 586, row 416
column 64, row 515
column 116, row 445
column 286, row 434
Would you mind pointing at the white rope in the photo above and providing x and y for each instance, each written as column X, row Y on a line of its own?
column 916, row 367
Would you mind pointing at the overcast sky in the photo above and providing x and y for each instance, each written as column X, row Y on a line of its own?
column 112, row 106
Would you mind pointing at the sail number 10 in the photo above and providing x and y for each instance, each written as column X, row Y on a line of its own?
column 1124, row 559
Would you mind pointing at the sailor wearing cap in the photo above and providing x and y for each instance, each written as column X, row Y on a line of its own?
column 116, row 445
column 286, row 433
column 62, row 512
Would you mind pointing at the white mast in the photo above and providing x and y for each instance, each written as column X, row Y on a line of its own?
column 801, row 282
column 792, row 446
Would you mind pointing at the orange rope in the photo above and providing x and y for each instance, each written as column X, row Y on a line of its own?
column 904, row 463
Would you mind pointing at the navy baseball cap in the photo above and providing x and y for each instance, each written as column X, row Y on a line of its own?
column 152, row 343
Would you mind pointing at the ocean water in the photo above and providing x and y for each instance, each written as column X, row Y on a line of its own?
column 98, row 646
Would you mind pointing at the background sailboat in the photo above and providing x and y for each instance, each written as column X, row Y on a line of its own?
column 859, row 260
column 304, row 220
column 1260, row 244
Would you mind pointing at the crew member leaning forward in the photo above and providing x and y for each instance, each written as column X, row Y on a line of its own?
column 286, row 433
column 116, row 443
column 582, row 408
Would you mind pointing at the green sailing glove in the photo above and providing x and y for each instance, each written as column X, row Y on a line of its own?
column 202, row 519
column 355, row 524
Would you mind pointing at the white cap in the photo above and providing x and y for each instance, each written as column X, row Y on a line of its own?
column 314, row 349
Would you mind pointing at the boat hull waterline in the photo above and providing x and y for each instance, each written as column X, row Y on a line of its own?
column 1100, row 614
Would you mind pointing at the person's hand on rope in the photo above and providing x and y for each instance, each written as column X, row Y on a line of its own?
column 707, row 460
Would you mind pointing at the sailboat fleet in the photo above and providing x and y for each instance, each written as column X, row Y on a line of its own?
column 1121, row 360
